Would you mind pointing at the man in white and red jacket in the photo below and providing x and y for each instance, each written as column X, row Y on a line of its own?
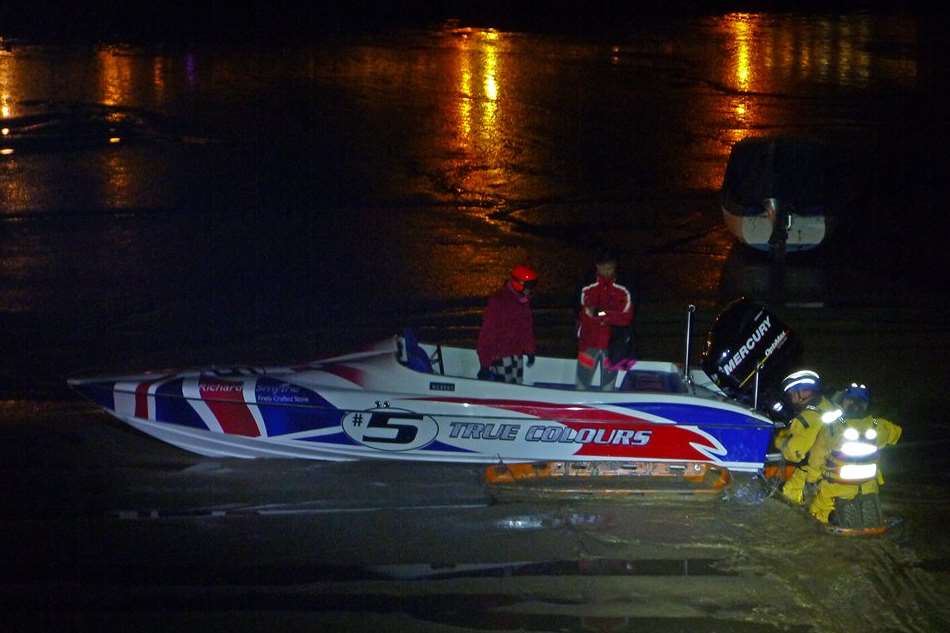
column 507, row 331
column 606, row 310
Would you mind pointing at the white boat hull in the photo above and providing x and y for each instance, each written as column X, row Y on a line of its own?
column 805, row 233
column 370, row 405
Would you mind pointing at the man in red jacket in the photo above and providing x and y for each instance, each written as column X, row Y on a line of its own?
column 606, row 308
column 508, row 329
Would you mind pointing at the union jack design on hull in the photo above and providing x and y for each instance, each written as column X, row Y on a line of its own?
column 383, row 403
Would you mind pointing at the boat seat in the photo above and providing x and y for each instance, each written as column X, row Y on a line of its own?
column 652, row 381
column 416, row 357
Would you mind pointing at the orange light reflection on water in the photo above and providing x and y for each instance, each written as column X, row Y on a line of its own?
column 748, row 60
column 479, row 108
column 115, row 77
column 7, row 83
column 117, row 179
column 741, row 26
column 482, row 125
column 158, row 78
column 490, row 104
column 766, row 57
column 465, row 95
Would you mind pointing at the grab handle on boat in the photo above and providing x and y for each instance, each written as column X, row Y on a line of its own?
column 689, row 330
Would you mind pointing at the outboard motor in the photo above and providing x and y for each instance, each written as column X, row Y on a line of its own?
column 747, row 338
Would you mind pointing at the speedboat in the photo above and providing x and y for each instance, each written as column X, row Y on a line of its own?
column 786, row 194
column 400, row 399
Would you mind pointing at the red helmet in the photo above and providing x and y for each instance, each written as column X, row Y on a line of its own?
column 523, row 277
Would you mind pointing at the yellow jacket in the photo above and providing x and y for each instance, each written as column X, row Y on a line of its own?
column 797, row 440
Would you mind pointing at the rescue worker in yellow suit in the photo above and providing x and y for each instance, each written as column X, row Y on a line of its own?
column 802, row 390
column 846, row 452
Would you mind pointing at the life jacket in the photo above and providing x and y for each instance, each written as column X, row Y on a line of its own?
column 853, row 451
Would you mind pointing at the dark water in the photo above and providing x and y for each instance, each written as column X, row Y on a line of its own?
column 257, row 201
column 372, row 180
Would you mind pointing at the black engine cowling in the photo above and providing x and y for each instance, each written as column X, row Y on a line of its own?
column 747, row 336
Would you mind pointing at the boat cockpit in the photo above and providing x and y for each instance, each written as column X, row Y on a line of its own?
column 546, row 372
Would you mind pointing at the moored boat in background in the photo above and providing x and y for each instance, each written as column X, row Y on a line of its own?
column 786, row 194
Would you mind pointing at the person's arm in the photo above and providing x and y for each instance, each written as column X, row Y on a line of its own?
column 801, row 437
column 593, row 304
column 818, row 454
column 584, row 303
column 623, row 316
column 787, row 441
column 887, row 432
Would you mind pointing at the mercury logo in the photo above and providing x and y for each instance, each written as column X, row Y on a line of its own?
column 746, row 348
column 776, row 343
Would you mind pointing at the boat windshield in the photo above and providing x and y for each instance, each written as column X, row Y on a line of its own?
column 647, row 380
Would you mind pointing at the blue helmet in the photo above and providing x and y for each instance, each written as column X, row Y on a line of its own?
column 804, row 380
column 857, row 391
column 855, row 400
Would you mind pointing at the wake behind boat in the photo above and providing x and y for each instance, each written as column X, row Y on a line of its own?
column 403, row 400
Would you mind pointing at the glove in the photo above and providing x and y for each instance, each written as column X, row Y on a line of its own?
column 530, row 360
column 484, row 374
